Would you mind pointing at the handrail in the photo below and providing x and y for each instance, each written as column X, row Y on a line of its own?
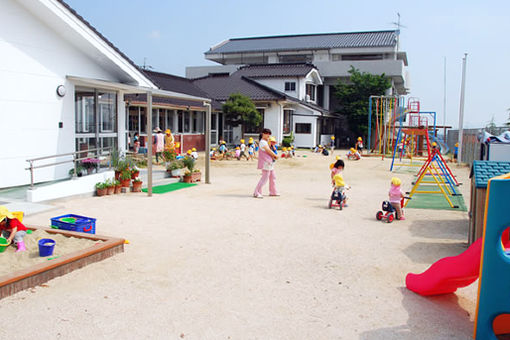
column 74, row 160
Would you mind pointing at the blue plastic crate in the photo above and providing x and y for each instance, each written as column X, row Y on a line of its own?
column 83, row 224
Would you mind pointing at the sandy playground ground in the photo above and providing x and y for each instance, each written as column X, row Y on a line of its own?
column 211, row 262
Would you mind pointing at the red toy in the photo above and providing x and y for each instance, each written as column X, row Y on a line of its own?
column 389, row 213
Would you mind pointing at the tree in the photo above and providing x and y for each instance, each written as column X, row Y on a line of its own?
column 240, row 110
column 354, row 95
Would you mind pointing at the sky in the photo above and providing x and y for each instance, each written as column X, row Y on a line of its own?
column 170, row 35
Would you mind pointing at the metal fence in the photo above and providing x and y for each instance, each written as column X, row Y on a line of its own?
column 471, row 146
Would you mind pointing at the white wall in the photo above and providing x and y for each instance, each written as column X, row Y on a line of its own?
column 34, row 60
column 305, row 140
column 273, row 120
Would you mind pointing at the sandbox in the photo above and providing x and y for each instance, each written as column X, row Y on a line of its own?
column 96, row 249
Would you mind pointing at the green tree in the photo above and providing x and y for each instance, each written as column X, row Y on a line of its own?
column 354, row 95
column 240, row 110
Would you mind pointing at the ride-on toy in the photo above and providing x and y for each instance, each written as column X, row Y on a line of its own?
column 337, row 199
column 389, row 213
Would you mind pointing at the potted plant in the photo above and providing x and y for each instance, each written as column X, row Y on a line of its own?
column 90, row 164
column 135, row 172
column 100, row 189
column 110, row 187
column 118, row 187
column 175, row 168
column 125, row 178
column 79, row 170
column 121, row 166
column 191, row 174
column 137, row 185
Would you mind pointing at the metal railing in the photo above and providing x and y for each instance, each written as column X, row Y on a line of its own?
column 76, row 158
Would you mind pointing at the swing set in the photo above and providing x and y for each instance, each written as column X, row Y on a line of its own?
column 386, row 110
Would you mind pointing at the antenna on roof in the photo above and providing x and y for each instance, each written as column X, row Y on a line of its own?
column 145, row 66
column 398, row 25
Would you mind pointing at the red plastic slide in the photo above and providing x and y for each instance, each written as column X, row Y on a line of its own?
column 449, row 273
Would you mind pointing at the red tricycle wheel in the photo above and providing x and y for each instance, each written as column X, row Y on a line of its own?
column 379, row 215
column 391, row 217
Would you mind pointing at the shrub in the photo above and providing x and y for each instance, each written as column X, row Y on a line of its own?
column 189, row 163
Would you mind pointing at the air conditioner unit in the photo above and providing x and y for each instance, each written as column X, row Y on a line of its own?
column 307, row 97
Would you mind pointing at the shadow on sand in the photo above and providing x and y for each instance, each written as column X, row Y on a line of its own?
column 438, row 317
column 456, row 229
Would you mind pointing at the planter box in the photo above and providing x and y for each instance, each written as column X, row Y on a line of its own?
column 194, row 177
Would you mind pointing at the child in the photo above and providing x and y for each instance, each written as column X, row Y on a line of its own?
column 12, row 229
column 272, row 145
column 251, row 149
column 284, row 152
column 223, row 149
column 353, row 154
column 243, row 150
column 338, row 179
column 332, row 144
column 194, row 153
column 212, row 154
column 396, row 195
column 238, row 153
column 359, row 145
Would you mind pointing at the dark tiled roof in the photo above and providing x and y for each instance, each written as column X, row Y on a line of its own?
column 89, row 25
column 221, row 87
column 275, row 70
column 307, row 42
column 485, row 170
column 141, row 99
column 173, row 83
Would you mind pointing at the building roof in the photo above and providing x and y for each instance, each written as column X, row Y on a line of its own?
column 307, row 42
column 485, row 170
column 276, row 70
column 220, row 87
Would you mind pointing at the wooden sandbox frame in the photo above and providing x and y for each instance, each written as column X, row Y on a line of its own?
column 43, row 272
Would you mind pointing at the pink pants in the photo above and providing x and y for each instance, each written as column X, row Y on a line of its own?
column 267, row 174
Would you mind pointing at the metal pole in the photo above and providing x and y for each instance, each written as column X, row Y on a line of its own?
column 444, row 103
column 31, row 175
column 207, row 142
column 369, row 122
column 149, row 143
column 461, row 108
column 74, row 163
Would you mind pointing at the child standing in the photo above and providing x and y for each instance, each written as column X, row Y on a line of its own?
column 251, row 149
column 359, row 145
column 396, row 195
column 12, row 229
column 243, row 150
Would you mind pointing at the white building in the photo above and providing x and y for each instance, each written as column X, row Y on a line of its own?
column 62, row 88
column 332, row 53
column 285, row 95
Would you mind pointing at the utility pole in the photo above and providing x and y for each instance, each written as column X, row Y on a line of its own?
column 461, row 108
column 444, row 103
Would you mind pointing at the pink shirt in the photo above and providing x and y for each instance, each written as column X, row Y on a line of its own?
column 395, row 194
column 264, row 157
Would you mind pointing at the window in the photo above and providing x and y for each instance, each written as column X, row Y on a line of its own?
column 310, row 91
column 213, row 121
column 304, row 128
column 362, row 57
column 290, row 86
column 179, row 121
column 198, row 122
column 85, row 112
column 170, row 120
column 162, row 119
column 287, row 114
column 255, row 128
column 187, row 122
column 107, row 104
column 328, row 126
column 295, row 58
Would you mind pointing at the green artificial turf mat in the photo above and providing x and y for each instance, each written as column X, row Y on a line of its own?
column 435, row 201
column 162, row 189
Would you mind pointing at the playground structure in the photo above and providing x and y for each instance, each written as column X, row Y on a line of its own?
column 487, row 259
column 435, row 171
column 399, row 130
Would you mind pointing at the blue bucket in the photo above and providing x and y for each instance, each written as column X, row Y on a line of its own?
column 46, row 246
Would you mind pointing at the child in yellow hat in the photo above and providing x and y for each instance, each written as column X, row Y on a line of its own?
column 242, row 146
column 194, row 153
column 12, row 229
column 251, row 149
column 396, row 195
column 359, row 145
column 332, row 144
column 353, row 154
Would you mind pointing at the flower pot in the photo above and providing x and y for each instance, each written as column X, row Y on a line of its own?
column 134, row 174
column 110, row 190
column 125, row 183
column 100, row 192
column 117, row 175
column 137, row 186
column 118, row 189
column 187, row 179
column 196, row 177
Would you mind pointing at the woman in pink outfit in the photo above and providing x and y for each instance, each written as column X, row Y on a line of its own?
column 266, row 164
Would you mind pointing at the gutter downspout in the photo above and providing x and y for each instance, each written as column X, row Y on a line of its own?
column 207, row 142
